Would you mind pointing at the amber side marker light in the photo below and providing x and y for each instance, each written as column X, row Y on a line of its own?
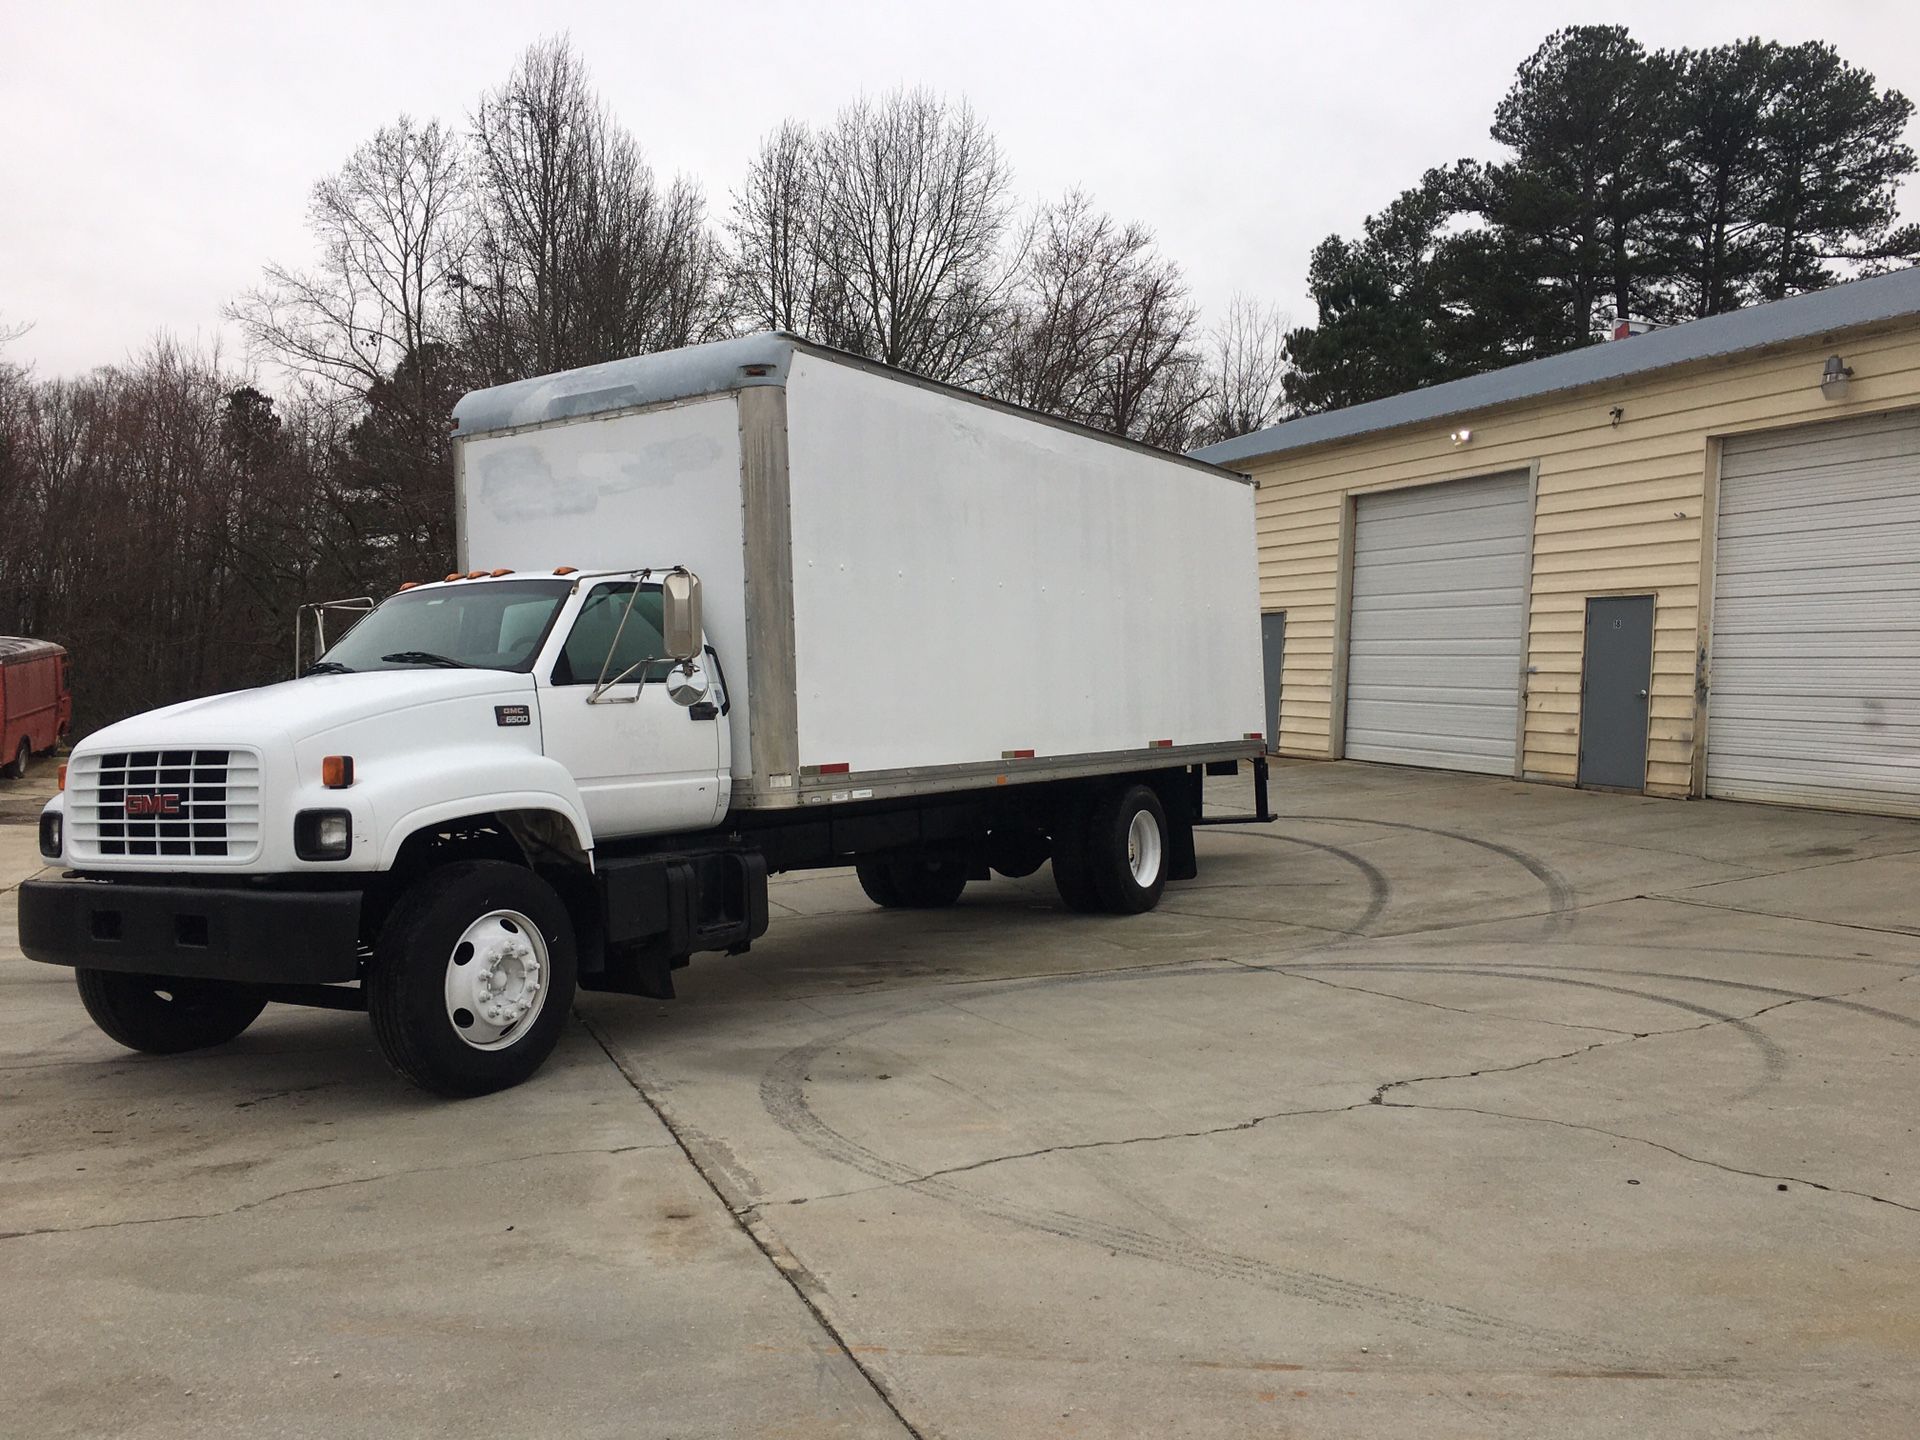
column 456, row 576
column 496, row 574
column 336, row 772
column 63, row 777
column 566, row 569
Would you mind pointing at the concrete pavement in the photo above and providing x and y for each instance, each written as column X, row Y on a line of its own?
column 1445, row 1107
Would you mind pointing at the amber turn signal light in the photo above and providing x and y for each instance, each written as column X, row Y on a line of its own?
column 63, row 776
column 336, row 772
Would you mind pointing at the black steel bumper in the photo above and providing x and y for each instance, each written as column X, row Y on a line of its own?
column 265, row 936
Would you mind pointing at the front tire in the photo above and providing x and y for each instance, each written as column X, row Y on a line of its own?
column 472, row 978
column 158, row 1015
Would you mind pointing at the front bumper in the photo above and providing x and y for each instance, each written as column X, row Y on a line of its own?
column 300, row 937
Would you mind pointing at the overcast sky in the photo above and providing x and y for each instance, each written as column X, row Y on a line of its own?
column 156, row 154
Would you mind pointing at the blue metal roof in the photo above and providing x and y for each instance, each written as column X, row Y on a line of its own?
column 1799, row 317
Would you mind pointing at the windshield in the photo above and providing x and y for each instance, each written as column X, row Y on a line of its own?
column 495, row 626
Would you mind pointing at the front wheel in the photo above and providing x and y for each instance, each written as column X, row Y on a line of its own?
column 160, row 1015
column 472, row 977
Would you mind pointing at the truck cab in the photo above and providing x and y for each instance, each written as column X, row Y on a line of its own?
column 510, row 722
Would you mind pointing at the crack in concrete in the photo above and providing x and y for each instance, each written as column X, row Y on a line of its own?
column 1629, row 1038
column 278, row 1195
column 1064, row 1147
column 1433, row 1004
column 1379, row 1098
column 1657, row 1145
column 1778, row 915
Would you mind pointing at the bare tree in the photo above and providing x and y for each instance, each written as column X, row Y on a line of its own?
column 393, row 228
column 581, row 255
column 1099, row 327
column 1246, row 366
column 882, row 233
column 779, row 277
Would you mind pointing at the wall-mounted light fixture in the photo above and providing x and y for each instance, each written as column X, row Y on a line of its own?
column 1617, row 414
column 1835, row 377
column 1462, row 437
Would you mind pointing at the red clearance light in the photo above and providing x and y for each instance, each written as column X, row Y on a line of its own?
column 1016, row 754
column 841, row 769
column 1256, row 735
column 336, row 772
column 1160, row 744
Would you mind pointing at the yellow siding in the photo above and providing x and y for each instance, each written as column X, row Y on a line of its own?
column 1620, row 509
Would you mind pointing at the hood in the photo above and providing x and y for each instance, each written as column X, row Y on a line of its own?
column 295, row 709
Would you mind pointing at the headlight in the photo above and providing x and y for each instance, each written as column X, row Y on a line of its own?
column 51, row 833
column 323, row 834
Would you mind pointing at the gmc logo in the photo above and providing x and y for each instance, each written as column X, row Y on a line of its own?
column 153, row 805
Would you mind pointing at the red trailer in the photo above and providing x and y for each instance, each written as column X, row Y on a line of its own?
column 36, row 707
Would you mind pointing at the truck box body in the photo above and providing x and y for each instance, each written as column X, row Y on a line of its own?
column 930, row 590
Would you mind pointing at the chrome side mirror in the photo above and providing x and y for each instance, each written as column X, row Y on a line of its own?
column 680, row 627
column 687, row 683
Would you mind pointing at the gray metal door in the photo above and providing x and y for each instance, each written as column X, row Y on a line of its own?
column 1438, row 621
column 1816, row 617
column 1613, row 691
column 1273, row 648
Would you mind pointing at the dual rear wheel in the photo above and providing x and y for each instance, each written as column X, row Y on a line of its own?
column 1110, row 855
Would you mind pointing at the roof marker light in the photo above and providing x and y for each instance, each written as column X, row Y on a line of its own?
column 455, row 576
column 496, row 574
column 566, row 569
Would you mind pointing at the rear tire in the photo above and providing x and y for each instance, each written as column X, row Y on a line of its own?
column 912, row 883
column 1072, row 866
column 158, row 1015
column 1128, row 850
column 472, row 978
column 876, row 878
column 16, row 769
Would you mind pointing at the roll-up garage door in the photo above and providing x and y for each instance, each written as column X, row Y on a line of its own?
column 1816, row 618
column 1435, row 639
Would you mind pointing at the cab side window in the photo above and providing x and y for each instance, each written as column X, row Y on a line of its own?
column 593, row 637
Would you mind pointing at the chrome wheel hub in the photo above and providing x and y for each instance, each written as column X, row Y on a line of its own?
column 496, row 979
column 1144, row 849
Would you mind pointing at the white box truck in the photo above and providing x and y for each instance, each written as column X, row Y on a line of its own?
column 744, row 608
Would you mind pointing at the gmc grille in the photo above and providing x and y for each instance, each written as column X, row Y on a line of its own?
column 165, row 804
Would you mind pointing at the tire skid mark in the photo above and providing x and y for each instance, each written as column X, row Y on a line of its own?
column 1773, row 1060
column 783, row 1097
column 782, row 1094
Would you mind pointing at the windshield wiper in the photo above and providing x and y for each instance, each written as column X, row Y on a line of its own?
column 327, row 667
column 425, row 657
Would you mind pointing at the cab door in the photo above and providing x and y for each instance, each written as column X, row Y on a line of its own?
column 644, row 764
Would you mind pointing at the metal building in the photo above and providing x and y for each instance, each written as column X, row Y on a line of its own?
column 1686, row 562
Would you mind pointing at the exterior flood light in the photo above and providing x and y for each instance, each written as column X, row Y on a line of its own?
column 1461, row 437
column 1835, row 378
